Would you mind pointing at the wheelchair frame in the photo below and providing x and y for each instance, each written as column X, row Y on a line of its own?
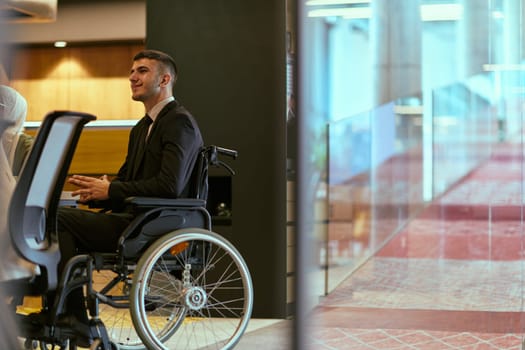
column 185, row 286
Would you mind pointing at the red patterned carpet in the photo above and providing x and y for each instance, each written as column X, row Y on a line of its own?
column 453, row 278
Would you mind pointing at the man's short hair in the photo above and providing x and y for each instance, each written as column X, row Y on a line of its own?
column 166, row 60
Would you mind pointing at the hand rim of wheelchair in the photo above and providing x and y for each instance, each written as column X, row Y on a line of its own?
column 145, row 268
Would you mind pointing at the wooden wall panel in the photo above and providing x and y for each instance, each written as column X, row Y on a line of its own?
column 99, row 151
column 92, row 79
column 112, row 96
column 34, row 63
column 42, row 96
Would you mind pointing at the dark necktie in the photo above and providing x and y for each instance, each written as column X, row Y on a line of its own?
column 139, row 155
column 148, row 121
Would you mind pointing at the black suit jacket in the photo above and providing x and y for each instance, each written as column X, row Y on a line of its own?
column 164, row 166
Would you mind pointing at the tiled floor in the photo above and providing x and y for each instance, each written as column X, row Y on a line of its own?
column 394, row 339
column 452, row 279
column 393, row 303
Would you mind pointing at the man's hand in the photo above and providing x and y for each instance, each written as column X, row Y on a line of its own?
column 91, row 188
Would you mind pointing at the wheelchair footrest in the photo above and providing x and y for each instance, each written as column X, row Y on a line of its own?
column 36, row 327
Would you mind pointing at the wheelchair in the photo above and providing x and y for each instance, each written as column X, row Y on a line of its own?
column 171, row 284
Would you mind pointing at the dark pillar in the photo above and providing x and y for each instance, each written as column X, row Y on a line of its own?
column 232, row 60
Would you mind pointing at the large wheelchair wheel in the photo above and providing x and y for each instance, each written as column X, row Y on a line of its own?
column 200, row 275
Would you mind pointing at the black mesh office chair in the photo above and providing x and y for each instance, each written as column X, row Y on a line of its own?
column 35, row 200
column 32, row 219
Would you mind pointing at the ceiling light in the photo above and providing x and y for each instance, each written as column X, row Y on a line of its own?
column 498, row 15
column 335, row 2
column 441, row 12
column 436, row 12
column 351, row 13
column 60, row 43
column 503, row 67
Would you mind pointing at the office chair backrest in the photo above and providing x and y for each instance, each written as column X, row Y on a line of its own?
column 33, row 207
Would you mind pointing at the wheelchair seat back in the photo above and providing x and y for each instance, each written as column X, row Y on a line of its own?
column 158, row 216
column 33, row 207
column 199, row 176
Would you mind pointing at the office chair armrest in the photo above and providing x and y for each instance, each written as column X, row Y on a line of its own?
column 152, row 202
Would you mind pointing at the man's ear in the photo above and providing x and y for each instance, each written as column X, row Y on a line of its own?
column 166, row 78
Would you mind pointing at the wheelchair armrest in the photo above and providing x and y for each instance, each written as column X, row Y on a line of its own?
column 149, row 202
column 96, row 204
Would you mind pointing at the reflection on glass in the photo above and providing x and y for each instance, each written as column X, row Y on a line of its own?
column 424, row 152
column 375, row 185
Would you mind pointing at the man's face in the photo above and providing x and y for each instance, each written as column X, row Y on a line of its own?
column 145, row 79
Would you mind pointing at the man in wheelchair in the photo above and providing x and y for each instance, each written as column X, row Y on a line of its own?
column 162, row 151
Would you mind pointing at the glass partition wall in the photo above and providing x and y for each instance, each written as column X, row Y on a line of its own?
column 413, row 193
column 374, row 182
